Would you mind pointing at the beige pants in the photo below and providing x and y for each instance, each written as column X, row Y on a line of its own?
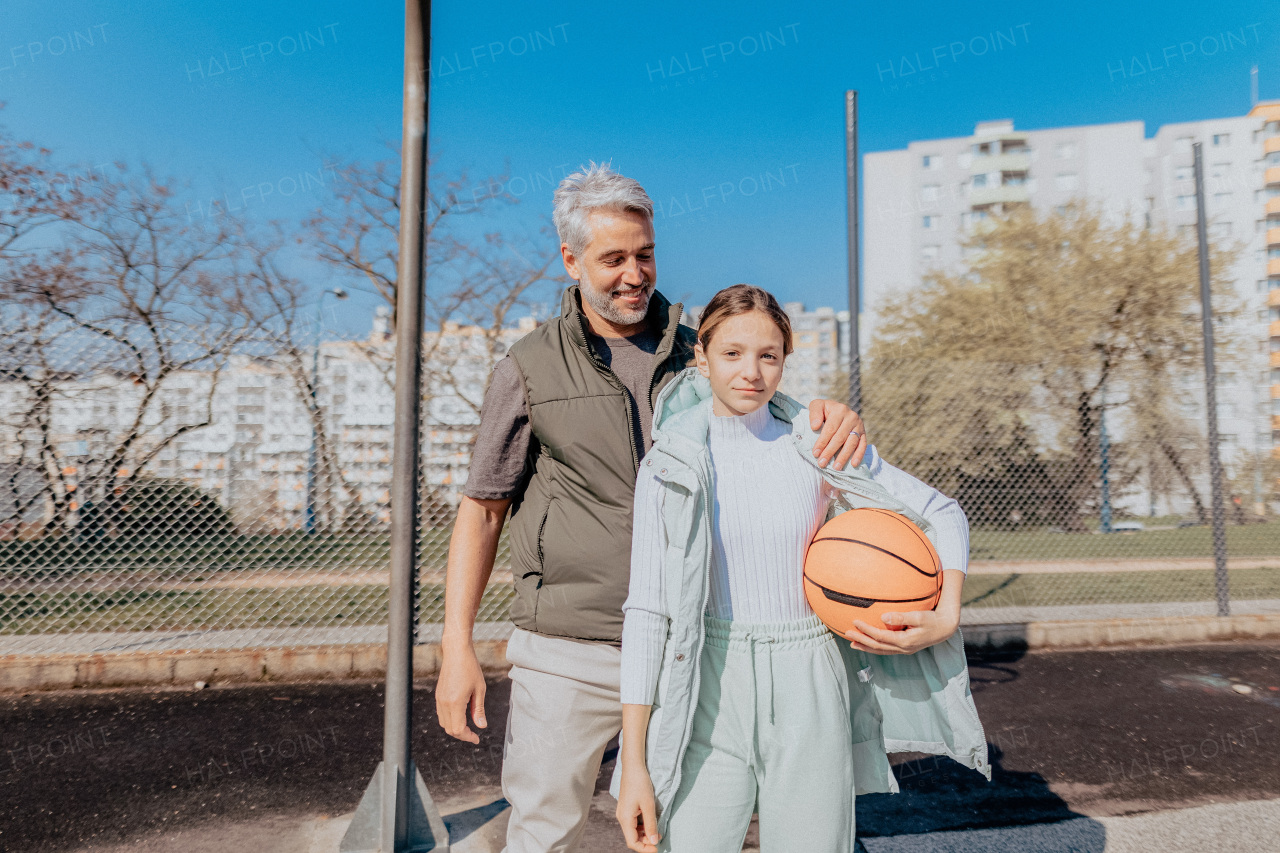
column 565, row 709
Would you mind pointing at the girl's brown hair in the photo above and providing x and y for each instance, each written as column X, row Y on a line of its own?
column 743, row 299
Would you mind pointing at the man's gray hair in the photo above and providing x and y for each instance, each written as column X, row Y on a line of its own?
column 596, row 187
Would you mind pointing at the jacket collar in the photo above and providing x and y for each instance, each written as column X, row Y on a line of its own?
column 682, row 414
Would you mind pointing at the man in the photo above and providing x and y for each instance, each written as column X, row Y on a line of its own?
column 564, row 425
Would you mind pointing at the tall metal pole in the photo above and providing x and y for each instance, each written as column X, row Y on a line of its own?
column 396, row 813
column 1221, row 586
column 851, row 203
column 396, row 756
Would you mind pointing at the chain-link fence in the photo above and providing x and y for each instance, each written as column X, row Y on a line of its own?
column 1088, row 495
column 241, row 500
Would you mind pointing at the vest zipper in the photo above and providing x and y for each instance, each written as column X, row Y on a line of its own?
column 653, row 377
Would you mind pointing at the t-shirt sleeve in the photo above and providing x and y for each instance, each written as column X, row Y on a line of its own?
column 501, row 450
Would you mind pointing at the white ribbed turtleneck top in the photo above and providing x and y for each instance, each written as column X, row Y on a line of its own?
column 767, row 505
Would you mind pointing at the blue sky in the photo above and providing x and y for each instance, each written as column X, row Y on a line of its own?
column 730, row 114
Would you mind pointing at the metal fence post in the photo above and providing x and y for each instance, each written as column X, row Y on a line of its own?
column 397, row 813
column 1221, row 586
column 851, row 203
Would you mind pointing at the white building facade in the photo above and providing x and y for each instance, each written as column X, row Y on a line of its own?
column 921, row 201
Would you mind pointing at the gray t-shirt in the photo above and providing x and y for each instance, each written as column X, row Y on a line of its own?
column 502, row 444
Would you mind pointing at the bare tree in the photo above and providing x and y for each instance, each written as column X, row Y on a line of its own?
column 277, row 307
column 475, row 277
column 34, row 193
column 139, row 289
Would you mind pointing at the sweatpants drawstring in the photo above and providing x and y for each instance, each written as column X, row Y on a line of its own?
column 752, row 638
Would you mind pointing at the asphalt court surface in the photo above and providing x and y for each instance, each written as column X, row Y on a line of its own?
column 1072, row 736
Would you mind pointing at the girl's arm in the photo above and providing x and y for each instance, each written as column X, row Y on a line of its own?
column 636, row 812
column 644, row 634
column 645, row 618
column 923, row 628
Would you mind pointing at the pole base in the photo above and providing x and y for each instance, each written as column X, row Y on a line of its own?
column 427, row 831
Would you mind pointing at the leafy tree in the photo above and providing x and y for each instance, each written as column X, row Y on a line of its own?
column 1000, row 371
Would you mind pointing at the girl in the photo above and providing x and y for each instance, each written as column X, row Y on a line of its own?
column 735, row 697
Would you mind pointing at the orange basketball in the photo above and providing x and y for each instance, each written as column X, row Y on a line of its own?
column 867, row 562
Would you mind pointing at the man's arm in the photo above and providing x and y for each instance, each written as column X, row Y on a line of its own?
column 843, row 434
column 472, row 549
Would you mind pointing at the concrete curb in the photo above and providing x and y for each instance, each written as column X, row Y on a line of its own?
column 19, row 673
column 222, row 666
column 1105, row 633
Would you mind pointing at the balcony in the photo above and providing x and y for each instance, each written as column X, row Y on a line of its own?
column 1275, row 359
column 1273, row 266
column 1271, row 145
column 1272, row 175
column 1273, row 205
column 1273, row 236
column 1275, row 421
column 1005, row 195
column 1014, row 161
column 1273, row 298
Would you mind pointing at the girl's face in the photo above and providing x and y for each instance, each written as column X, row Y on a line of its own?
column 744, row 361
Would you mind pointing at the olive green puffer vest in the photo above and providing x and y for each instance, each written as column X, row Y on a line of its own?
column 571, row 528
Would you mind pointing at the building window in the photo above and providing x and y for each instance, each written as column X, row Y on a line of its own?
column 931, row 161
column 1067, row 181
column 928, row 253
column 1221, row 139
column 1013, row 179
column 929, row 192
column 979, row 181
column 1184, row 173
column 1186, row 202
column 1066, row 151
column 930, row 223
column 1272, row 159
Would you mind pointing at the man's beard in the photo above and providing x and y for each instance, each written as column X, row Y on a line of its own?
column 605, row 307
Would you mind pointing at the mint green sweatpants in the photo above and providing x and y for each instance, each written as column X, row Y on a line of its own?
column 770, row 734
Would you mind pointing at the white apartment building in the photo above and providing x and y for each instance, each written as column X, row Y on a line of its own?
column 253, row 455
column 919, row 203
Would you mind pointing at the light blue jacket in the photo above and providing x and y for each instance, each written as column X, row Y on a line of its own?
column 916, row 703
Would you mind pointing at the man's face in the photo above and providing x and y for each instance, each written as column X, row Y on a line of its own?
column 617, row 270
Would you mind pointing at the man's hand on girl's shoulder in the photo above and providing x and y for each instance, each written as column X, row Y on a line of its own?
column 843, row 434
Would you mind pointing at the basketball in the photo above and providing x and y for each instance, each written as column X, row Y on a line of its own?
column 867, row 562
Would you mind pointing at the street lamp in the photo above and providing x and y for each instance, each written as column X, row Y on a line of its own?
column 309, row 519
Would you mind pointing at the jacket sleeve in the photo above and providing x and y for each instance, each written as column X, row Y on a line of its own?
column 644, row 625
column 942, row 512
